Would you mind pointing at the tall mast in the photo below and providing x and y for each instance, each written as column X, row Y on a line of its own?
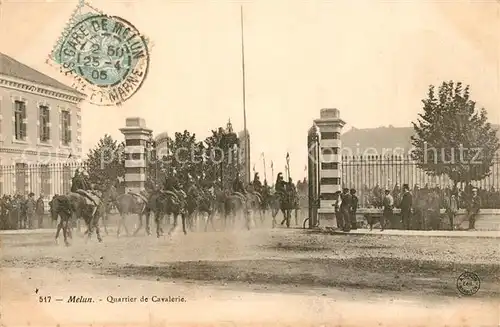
column 244, row 94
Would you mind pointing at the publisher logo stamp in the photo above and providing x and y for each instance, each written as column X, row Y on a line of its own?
column 468, row 283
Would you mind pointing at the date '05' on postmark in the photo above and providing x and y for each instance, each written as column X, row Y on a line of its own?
column 106, row 55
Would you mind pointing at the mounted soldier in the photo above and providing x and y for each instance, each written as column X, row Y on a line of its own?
column 280, row 184
column 173, row 186
column 238, row 185
column 82, row 186
column 257, row 185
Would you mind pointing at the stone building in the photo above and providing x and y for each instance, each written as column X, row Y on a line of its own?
column 40, row 127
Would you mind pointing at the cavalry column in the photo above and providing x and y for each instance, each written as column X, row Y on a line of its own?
column 328, row 162
column 136, row 136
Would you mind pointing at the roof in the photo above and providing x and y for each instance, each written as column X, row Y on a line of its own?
column 11, row 67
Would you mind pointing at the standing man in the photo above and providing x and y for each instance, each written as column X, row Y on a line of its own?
column 345, row 208
column 406, row 205
column 338, row 214
column 353, row 209
column 473, row 208
column 388, row 204
column 40, row 210
column 451, row 206
column 30, row 209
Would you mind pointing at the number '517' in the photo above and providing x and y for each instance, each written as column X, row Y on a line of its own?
column 44, row 299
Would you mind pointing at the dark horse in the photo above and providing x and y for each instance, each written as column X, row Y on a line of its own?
column 200, row 201
column 284, row 202
column 167, row 203
column 65, row 206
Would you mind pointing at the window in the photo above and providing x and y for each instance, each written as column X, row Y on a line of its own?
column 328, row 196
column 330, row 181
column 327, row 151
column 65, row 127
column 329, row 165
column 20, row 120
column 44, row 124
column 330, row 135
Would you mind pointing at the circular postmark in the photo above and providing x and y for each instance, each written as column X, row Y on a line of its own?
column 468, row 283
column 108, row 57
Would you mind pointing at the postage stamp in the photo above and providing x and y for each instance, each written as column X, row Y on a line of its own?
column 106, row 55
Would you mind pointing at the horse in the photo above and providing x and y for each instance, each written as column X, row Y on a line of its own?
column 284, row 202
column 60, row 206
column 192, row 203
column 109, row 200
column 132, row 203
column 168, row 203
column 242, row 204
column 200, row 201
column 74, row 203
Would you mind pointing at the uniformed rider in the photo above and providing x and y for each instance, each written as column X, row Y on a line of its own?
column 238, row 185
column 257, row 185
column 171, row 184
column 280, row 183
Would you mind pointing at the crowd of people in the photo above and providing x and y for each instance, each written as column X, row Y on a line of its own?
column 421, row 207
column 21, row 212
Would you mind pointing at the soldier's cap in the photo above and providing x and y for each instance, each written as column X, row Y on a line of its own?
column 31, row 194
column 387, row 190
column 345, row 189
column 353, row 190
column 474, row 189
column 406, row 186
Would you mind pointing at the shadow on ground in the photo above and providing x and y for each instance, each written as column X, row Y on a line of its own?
column 384, row 274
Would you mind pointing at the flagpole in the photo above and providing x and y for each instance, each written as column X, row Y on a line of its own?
column 272, row 173
column 247, row 152
column 264, row 163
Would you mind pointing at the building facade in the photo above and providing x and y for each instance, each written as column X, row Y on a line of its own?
column 40, row 125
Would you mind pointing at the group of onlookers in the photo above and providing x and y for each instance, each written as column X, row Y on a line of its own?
column 490, row 198
column 346, row 206
column 421, row 209
column 22, row 212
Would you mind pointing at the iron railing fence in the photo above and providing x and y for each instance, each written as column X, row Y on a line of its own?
column 366, row 173
column 46, row 179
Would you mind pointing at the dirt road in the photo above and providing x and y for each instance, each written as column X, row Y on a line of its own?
column 275, row 277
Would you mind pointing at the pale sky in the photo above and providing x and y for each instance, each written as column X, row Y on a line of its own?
column 372, row 60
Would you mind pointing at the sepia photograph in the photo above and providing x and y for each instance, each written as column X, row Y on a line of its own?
column 250, row 163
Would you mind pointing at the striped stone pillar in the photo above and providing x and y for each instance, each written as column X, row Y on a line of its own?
column 136, row 135
column 330, row 125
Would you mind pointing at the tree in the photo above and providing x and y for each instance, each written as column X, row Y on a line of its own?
column 452, row 137
column 185, row 156
column 106, row 162
column 222, row 155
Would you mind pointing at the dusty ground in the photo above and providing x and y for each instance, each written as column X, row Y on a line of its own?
column 261, row 276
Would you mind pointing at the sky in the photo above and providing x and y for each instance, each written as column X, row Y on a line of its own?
column 372, row 60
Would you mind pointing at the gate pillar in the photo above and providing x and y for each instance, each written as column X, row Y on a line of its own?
column 136, row 136
column 330, row 160
column 313, row 169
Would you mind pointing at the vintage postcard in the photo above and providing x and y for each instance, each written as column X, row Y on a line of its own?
column 249, row 163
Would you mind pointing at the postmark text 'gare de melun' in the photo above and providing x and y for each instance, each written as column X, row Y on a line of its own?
column 109, row 54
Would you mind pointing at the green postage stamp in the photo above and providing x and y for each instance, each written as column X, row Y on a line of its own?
column 106, row 55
